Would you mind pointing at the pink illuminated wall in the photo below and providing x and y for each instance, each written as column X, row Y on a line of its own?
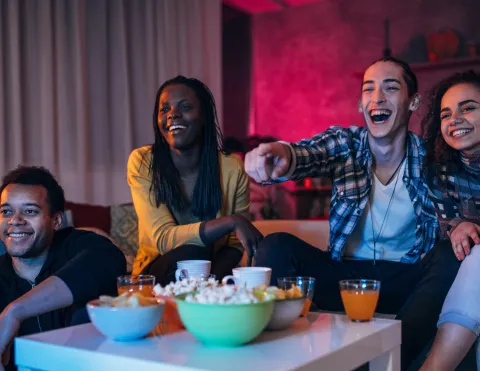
column 306, row 60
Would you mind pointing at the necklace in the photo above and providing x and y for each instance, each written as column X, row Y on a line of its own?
column 375, row 239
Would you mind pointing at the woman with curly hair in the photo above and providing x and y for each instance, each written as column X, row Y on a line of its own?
column 452, row 132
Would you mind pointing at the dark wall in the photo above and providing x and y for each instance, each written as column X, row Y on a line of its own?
column 236, row 75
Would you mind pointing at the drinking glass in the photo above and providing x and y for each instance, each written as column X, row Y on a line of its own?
column 360, row 298
column 142, row 284
column 305, row 284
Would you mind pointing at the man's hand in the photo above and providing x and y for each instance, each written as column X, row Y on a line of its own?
column 268, row 161
column 9, row 326
column 461, row 238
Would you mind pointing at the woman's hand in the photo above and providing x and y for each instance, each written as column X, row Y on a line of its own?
column 248, row 235
column 461, row 238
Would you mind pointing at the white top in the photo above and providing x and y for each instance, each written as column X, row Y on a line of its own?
column 319, row 341
column 397, row 236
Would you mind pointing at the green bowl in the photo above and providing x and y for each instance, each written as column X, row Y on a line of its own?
column 225, row 324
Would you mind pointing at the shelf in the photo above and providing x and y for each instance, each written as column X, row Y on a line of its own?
column 457, row 62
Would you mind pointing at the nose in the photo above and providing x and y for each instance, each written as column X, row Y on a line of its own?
column 457, row 118
column 16, row 219
column 378, row 96
column 174, row 114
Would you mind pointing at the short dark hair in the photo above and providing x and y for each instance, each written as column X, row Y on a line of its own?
column 37, row 176
column 408, row 75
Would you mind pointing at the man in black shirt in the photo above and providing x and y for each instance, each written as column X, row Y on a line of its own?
column 48, row 274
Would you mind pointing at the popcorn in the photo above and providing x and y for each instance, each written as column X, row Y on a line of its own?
column 183, row 286
column 227, row 294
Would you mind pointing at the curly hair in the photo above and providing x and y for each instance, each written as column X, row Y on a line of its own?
column 37, row 176
column 438, row 151
column 207, row 194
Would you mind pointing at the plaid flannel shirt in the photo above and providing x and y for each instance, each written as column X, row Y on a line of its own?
column 455, row 194
column 344, row 156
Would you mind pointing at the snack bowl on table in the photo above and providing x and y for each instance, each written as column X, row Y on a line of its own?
column 170, row 314
column 225, row 323
column 185, row 285
column 127, row 317
column 288, row 306
column 285, row 312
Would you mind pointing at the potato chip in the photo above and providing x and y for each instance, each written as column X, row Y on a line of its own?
column 126, row 300
column 293, row 293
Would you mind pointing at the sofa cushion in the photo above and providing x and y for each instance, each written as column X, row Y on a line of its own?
column 124, row 231
column 86, row 215
column 315, row 232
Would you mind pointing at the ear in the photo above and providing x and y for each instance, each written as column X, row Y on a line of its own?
column 57, row 221
column 360, row 109
column 415, row 103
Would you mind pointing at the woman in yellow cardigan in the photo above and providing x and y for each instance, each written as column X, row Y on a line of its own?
column 190, row 196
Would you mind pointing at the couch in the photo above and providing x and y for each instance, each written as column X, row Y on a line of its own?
column 119, row 222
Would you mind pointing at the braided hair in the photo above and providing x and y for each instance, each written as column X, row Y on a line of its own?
column 166, row 183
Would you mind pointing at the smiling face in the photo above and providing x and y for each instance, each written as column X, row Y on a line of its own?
column 460, row 117
column 385, row 103
column 27, row 226
column 180, row 117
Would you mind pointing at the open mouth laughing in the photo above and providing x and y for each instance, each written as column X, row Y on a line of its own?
column 176, row 128
column 379, row 116
column 459, row 133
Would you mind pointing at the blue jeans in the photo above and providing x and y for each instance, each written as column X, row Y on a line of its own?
column 462, row 304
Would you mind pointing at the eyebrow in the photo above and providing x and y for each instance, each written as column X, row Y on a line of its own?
column 467, row 101
column 180, row 101
column 28, row 204
column 386, row 80
column 460, row 104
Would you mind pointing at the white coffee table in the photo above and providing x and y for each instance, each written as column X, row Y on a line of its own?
column 319, row 341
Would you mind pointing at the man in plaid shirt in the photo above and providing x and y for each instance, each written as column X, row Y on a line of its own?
column 382, row 223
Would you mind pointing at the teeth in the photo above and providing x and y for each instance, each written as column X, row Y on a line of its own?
column 377, row 112
column 17, row 235
column 175, row 127
column 457, row 133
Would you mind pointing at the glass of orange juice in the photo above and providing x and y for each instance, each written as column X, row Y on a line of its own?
column 305, row 284
column 360, row 298
column 142, row 283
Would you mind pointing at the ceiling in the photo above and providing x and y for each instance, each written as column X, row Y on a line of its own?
column 259, row 6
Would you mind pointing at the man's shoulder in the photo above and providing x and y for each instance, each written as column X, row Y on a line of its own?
column 6, row 269
column 70, row 237
column 417, row 142
column 352, row 135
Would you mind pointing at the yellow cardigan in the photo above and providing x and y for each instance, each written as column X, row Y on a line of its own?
column 158, row 231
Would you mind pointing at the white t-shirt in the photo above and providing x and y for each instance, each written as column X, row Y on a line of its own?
column 397, row 236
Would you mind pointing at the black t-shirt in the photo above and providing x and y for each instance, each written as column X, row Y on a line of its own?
column 88, row 264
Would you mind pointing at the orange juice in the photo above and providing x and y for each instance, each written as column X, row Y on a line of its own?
column 306, row 307
column 145, row 290
column 360, row 304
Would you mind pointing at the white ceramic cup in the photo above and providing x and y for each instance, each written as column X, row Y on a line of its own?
column 250, row 276
column 193, row 268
